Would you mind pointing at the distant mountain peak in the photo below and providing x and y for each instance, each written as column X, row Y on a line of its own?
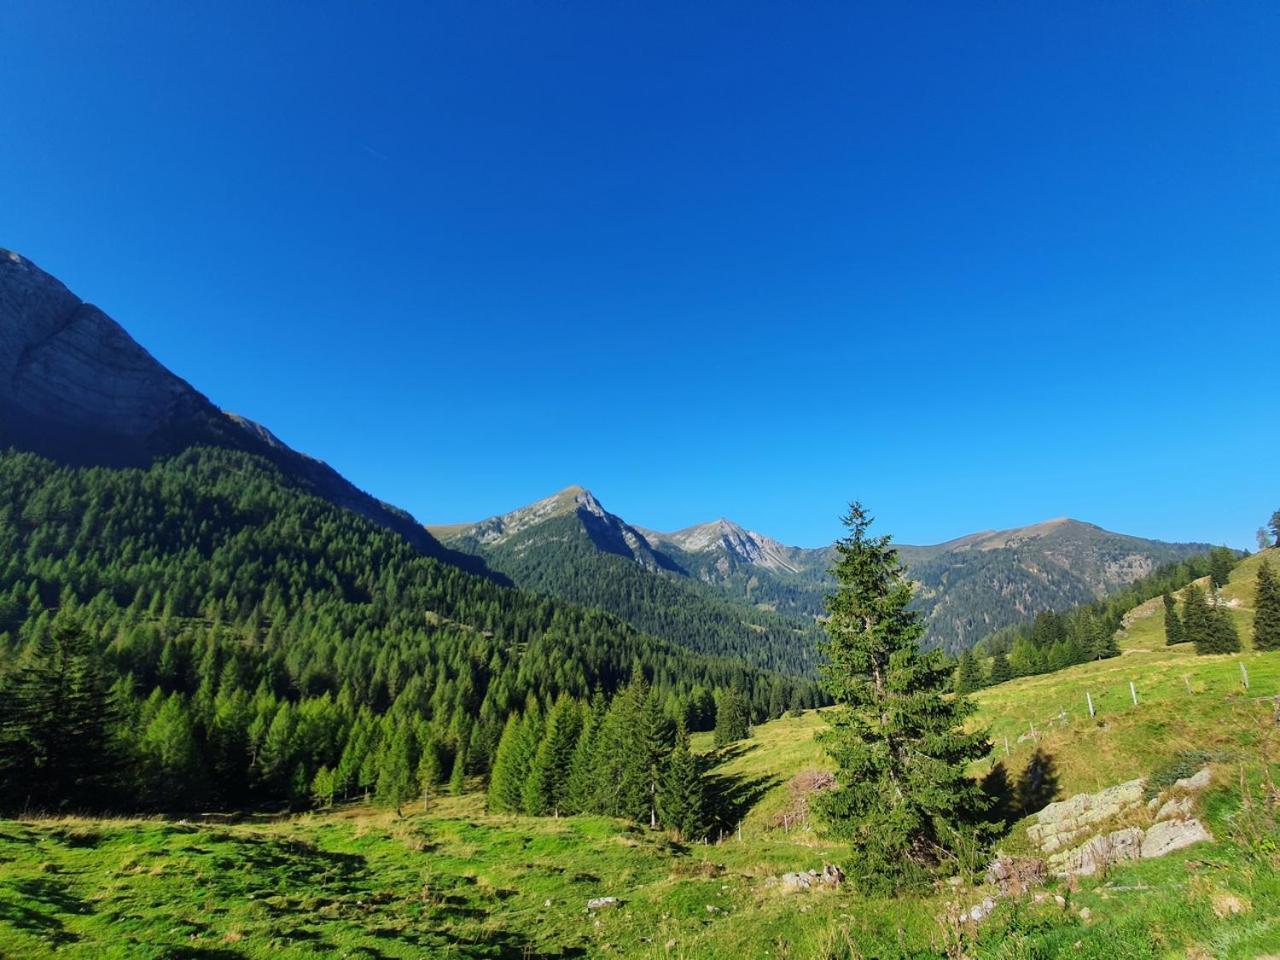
column 735, row 541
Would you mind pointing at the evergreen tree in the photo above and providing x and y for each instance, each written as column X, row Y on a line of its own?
column 510, row 767
column 430, row 772
column 396, row 768
column 580, row 790
column 733, row 718
column 1221, row 560
column 1266, row 620
column 1172, row 622
column 56, row 714
column 1222, row 636
column 1274, row 525
column 1195, row 618
column 682, row 797
column 458, row 773
column 546, row 789
column 898, row 741
column 968, row 676
column 1000, row 668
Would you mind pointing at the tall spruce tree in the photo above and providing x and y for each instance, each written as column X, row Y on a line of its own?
column 1222, row 636
column 682, row 803
column 510, row 766
column 968, row 676
column 1195, row 618
column 57, row 747
column 1172, row 622
column 1221, row 560
column 897, row 738
column 733, row 718
column 1266, row 619
column 545, row 789
column 1000, row 668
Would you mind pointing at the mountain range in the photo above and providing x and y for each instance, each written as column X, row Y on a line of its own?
column 569, row 545
column 75, row 387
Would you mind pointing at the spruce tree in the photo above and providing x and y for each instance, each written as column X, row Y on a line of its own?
column 430, row 772
column 897, row 738
column 580, row 791
column 682, row 796
column 1266, row 619
column 458, row 773
column 1195, row 619
column 396, row 768
column 733, row 718
column 1222, row 634
column 546, row 786
column 1221, row 560
column 1000, row 668
column 510, row 767
column 968, row 676
column 1172, row 622
column 57, row 743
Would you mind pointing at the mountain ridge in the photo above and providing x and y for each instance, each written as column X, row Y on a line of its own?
column 967, row 586
column 77, row 388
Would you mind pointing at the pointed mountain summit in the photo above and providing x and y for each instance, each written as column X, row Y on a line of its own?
column 76, row 388
column 526, row 528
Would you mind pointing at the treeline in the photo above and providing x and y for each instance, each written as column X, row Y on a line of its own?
column 222, row 639
column 1206, row 622
column 626, row 758
column 1053, row 641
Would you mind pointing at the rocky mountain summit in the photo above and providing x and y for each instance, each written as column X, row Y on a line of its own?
column 75, row 387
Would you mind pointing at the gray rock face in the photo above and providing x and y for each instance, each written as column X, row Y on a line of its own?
column 1099, row 853
column 75, row 387
column 1059, row 824
column 1179, row 808
column 1170, row 835
column 1198, row 781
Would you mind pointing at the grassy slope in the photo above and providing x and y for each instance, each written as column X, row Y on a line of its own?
column 457, row 882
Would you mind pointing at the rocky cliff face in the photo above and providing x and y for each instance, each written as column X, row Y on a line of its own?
column 75, row 387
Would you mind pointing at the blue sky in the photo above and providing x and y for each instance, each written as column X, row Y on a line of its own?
column 977, row 265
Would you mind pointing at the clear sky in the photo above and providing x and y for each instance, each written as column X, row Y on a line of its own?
column 975, row 264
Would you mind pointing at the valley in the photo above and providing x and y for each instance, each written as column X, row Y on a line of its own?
column 457, row 881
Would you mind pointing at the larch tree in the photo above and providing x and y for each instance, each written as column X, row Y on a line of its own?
column 897, row 737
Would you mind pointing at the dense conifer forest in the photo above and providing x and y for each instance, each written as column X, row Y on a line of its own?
column 201, row 633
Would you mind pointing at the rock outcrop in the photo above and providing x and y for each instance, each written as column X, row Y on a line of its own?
column 1059, row 826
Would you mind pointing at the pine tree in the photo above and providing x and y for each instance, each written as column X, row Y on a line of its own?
column 1274, row 525
column 1266, row 620
column 682, row 796
column 897, row 739
column 733, row 718
column 1000, row 668
column 1172, row 622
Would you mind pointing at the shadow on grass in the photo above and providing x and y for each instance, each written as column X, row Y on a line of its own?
column 43, row 899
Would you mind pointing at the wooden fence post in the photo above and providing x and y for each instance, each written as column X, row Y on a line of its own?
column 1089, row 698
column 1133, row 692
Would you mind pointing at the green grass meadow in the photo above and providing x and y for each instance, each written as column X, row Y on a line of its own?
column 454, row 881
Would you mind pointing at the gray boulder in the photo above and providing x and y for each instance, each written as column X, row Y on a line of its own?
column 1170, row 835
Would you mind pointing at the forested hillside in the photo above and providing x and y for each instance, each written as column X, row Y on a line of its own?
column 251, row 633
column 568, row 546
